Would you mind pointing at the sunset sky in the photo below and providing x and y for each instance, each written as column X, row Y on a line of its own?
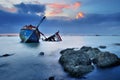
column 67, row 16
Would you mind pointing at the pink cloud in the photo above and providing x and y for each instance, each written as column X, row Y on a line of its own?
column 57, row 8
column 76, row 5
column 54, row 12
column 58, row 5
column 12, row 9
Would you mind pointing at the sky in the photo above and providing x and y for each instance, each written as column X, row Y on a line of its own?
column 84, row 17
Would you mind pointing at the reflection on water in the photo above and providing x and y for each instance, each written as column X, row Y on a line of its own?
column 31, row 45
column 27, row 65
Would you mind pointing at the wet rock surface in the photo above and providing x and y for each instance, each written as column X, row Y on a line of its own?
column 92, row 52
column 79, row 62
column 106, row 59
column 76, row 63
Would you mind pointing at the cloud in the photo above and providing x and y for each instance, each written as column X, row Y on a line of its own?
column 76, row 5
column 80, row 15
column 100, row 18
column 33, row 7
column 30, row 8
column 12, row 22
column 91, row 23
column 57, row 8
column 8, row 9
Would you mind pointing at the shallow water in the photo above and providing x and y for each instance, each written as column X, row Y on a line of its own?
column 26, row 64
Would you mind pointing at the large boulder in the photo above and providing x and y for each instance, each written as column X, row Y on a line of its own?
column 106, row 59
column 92, row 52
column 68, row 50
column 76, row 63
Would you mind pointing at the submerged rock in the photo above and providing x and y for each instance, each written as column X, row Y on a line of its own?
column 41, row 53
column 117, row 44
column 6, row 55
column 102, row 47
column 52, row 78
column 76, row 63
column 106, row 59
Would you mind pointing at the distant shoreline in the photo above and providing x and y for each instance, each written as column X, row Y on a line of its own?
column 11, row 35
column 8, row 35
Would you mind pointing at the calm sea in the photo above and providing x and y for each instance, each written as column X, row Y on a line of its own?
column 26, row 64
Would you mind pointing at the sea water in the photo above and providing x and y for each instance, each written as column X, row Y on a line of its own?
column 27, row 64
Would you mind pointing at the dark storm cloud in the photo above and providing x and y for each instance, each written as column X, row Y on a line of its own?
column 33, row 8
column 12, row 22
column 13, row 18
column 101, row 18
column 89, row 19
column 91, row 23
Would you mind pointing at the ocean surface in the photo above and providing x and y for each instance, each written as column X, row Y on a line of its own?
column 27, row 64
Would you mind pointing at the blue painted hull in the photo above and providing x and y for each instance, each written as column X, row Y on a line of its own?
column 29, row 35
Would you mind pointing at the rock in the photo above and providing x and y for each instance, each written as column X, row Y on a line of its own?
column 85, row 49
column 102, row 47
column 117, row 44
column 41, row 53
column 6, row 55
column 92, row 52
column 52, row 78
column 76, row 63
column 68, row 50
column 106, row 59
